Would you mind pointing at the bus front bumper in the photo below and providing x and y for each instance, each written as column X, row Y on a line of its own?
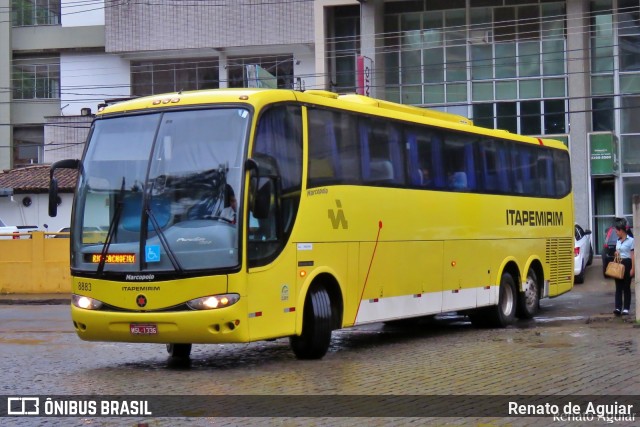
column 224, row 325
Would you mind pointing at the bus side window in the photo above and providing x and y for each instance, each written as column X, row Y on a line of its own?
column 322, row 146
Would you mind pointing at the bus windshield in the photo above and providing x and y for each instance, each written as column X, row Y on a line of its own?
column 161, row 188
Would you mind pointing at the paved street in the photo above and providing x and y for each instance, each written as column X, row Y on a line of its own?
column 575, row 347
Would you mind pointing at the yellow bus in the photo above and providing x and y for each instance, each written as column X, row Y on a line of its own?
column 239, row 215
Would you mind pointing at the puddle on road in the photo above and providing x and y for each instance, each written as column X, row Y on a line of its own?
column 26, row 341
column 551, row 345
column 624, row 347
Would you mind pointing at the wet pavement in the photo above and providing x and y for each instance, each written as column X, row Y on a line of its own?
column 575, row 347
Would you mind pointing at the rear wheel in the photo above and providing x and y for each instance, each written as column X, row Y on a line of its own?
column 180, row 351
column 314, row 341
column 504, row 313
column 529, row 300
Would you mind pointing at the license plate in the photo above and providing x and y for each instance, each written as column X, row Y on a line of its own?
column 140, row 329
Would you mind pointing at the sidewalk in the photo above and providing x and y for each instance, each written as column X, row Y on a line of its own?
column 33, row 299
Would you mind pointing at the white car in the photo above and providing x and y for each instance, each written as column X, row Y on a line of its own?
column 583, row 253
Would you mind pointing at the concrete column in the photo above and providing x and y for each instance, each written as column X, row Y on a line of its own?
column 578, row 67
column 6, row 134
column 372, row 42
column 223, row 74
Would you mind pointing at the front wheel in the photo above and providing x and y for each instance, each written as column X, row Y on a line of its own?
column 529, row 300
column 314, row 341
column 179, row 351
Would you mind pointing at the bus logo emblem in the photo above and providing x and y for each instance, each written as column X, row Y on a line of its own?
column 338, row 220
column 141, row 300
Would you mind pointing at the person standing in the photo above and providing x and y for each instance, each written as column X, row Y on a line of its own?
column 624, row 249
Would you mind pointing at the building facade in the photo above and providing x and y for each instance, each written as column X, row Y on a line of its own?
column 568, row 70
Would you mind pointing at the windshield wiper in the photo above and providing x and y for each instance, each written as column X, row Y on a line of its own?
column 112, row 228
column 148, row 194
column 163, row 241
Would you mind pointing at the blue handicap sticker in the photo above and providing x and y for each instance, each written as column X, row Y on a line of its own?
column 152, row 253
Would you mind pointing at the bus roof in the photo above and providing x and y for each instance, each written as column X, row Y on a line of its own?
column 350, row 102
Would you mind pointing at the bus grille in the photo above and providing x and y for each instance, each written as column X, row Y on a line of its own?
column 560, row 259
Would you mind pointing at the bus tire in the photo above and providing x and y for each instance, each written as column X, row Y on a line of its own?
column 529, row 300
column 314, row 341
column 504, row 313
column 180, row 351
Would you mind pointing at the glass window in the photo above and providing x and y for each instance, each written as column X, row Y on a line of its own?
column 629, row 53
column 346, row 47
column 411, row 32
column 602, row 85
column 530, row 123
column 412, row 95
column 495, row 168
column 392, row 65
column 553, row 15
column 553, row 57
column 529, row 89
column 28, row 147
column 481, row 62
column 457, row 92
column 334, row 153
column 433, row 65
column 528, row 22
column 382, row 151
column 35, row 12
column 602, row 114
column 281, row 68
column 434, row 94
column 630, row 145
column 507, row 89
column 630, row 186
column 458, row 161
column 278, row 145
column 482, row 91
column 504, row 24
column 392, row 93
column 456, row 63
column 153, row 77
column 529, row 59
column 432, row 34
column 483, row 115
column 628, row 18
column 507, row 116
column 553, row 88
column 629, row 114
column 505, row 60
column 455, row 27
column 411, row 65
column 602, row 43
column 554, row 117
column 36, row 77
column 630, row 83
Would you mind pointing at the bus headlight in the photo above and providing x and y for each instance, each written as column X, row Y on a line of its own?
column 86, row 303
column 213, row 301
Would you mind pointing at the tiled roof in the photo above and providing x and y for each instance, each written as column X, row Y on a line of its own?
column 35, row 179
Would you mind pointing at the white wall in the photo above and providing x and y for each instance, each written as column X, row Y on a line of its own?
column 86, row 80
column 306, row 68
column 82, row 13
column 13, row 212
